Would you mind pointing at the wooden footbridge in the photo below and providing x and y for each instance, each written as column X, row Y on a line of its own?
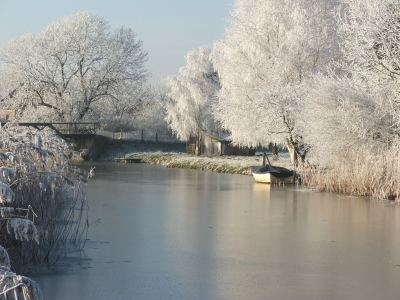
column 82, row 134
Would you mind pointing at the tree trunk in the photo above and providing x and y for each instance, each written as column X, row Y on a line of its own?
column 197, row 150
column 295, row 153
column 292, row 147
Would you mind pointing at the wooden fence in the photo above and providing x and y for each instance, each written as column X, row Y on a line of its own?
column 141, row 135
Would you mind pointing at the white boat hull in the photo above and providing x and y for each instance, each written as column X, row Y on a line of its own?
column 268, row 178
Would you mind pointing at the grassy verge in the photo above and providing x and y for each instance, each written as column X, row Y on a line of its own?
column 222, row 164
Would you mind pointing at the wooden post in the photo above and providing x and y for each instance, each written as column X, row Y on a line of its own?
column 265, row 156
column 142, row 136
column 156, row 138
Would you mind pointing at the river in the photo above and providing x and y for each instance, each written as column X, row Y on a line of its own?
column 186, row 234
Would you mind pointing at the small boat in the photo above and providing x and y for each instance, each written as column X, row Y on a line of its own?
column 272, row 174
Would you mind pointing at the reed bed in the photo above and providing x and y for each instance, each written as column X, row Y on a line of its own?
column 39, row 186
column 366, row 172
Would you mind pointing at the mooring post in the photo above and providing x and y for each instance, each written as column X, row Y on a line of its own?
column 267, row 158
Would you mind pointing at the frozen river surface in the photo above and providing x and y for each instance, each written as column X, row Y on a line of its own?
column 185, row 234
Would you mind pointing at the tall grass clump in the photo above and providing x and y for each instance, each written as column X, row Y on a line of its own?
column 362, row 172
column 42, row 198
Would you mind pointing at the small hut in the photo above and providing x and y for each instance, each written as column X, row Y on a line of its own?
column 212, row 145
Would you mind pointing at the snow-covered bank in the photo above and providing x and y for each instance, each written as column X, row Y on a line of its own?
column 223, row 164
column 173, row 155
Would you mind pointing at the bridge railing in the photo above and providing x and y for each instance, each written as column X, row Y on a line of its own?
column 144, row 135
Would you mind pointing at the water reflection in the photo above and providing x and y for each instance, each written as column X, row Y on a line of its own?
column 184, row 234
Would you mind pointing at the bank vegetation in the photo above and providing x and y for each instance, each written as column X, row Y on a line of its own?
column 44, row 211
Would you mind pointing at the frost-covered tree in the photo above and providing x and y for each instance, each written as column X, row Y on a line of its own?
column 371, row 46
column 118, row 114
column 141, row 109
column 357, row 105
column 340, row 115
column 150, row 116
column 71, row 66
column 192, row 93
column 271, row 49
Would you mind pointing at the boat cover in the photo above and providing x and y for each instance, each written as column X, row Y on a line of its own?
column 278, row 172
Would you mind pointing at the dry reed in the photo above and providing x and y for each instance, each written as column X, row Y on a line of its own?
column 365, row 172
column 44, row 182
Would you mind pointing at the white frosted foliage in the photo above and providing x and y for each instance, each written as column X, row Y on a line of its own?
column 6, row 173
column 70, row 67
column 6, row 193
column 23, row 230
column 6, row 212
column 192, row 93
column 13, row 286
column 355, row 107
column 271, row 51
column 4, row 258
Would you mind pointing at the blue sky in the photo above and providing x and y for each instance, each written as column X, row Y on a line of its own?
column 168, row 28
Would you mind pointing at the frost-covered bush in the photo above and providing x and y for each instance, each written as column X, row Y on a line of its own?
column 42, row 197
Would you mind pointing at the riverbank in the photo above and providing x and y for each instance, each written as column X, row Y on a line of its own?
column 173, row 155
column 375, row 176
column 222, row 164
column 233, row 165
